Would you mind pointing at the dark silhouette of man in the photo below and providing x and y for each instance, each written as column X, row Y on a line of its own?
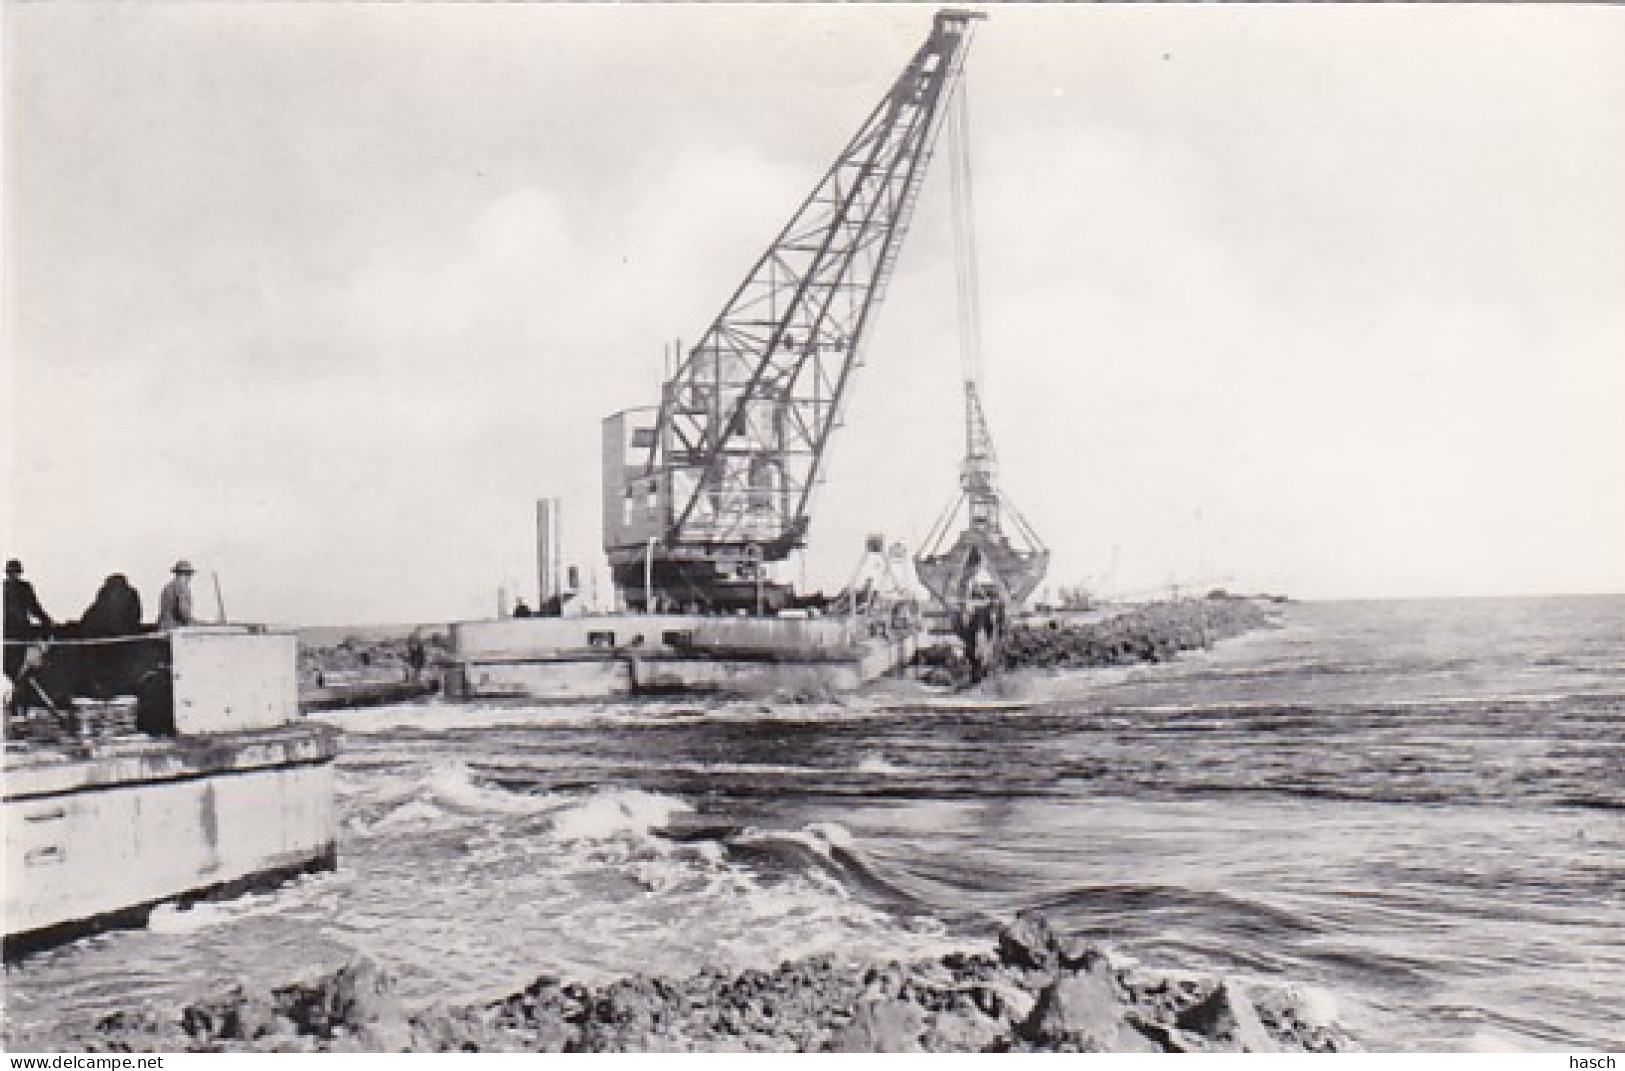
column 25, row 618
column 416, row 655
column 116, row 613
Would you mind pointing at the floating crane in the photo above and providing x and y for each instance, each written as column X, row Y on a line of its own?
column 704, row 491
column 991, row 566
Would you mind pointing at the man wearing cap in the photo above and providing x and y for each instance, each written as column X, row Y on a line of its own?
column 175, row 602
column 23, row 612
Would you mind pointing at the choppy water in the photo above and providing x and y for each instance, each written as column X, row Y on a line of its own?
column 1415, row 811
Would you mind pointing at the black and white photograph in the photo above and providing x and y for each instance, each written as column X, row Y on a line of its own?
column 813, row 528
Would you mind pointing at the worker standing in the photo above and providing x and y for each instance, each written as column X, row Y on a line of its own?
column 416, row 655
column 175, row 603
column 25, row 618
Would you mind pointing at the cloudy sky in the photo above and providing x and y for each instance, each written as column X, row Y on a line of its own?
column 1318, row 299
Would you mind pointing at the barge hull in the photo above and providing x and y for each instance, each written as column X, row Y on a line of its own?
column 619, row 655
column 98, row 839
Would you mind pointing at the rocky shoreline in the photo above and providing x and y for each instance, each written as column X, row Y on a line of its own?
column 1035, row 992
column 1156, row 632
column 1151, row 632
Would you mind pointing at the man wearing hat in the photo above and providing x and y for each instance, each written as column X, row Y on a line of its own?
column 175, row 602
column 23, row 612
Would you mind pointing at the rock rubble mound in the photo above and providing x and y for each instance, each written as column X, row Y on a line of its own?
column 1153, row 633
column 1037, row 992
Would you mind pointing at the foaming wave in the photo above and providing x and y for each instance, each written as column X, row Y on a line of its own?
column 437, row 716
column 617, row 812
column 820, row 838
column 618, row 881
column 751, row 897
column 827, row 852
column 443, row 793
column 621, row 713
column 878, row 764
column 410, row 813
column 453, row 784
column 175, row 919
column 1314, row 1004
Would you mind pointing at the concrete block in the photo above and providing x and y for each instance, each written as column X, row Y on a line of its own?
column 230, row 679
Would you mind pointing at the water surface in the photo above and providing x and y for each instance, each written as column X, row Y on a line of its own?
column 1412, row 811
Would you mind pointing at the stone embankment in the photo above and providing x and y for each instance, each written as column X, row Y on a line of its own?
column 1152, row 633
column 1037, row 992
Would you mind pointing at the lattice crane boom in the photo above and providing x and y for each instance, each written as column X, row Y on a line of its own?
column 722, row 477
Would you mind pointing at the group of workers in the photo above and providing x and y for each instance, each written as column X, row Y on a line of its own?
column 115, row 613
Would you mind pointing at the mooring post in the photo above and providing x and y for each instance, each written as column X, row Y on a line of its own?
column 649, row 577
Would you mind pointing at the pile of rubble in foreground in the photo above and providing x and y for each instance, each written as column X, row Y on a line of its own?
column 1035, row 993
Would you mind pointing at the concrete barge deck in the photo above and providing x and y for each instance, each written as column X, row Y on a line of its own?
column 99, row 830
